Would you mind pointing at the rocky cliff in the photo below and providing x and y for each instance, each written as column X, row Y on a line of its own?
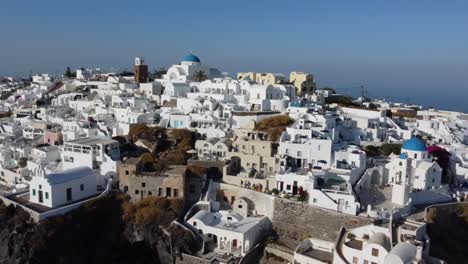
column 108, row 230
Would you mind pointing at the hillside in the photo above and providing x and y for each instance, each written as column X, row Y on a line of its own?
column 107, row 230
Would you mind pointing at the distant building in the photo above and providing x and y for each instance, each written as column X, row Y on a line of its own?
column 188, row 70
column 304, row 82
column 141, row 71
column 262, row 78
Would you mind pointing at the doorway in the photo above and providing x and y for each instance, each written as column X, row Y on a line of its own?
column 41, row 198
column 69, row 194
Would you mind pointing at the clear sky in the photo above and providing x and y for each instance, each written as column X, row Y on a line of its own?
column 399, row 49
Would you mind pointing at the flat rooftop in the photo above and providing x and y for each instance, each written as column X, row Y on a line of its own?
column 322, row 255
column 90, row 141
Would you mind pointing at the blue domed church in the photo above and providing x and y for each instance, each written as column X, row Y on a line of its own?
column 187, row 70
column 413, row 171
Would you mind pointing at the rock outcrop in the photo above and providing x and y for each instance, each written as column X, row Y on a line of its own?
column 99, row 232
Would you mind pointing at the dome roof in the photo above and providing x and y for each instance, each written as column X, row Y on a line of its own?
column 414, row 144
column 191, row 58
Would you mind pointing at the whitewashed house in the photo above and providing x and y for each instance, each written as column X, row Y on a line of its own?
column 99, row 153
column 233, row 232
column 54, row 189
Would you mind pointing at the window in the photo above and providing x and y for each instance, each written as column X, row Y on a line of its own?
column 46, row 195
column 299, row 153
column 159, row 191
column 143, row 184
column 355, row 260
column 200, row 231
column 375, row 252
column 239, row 206
column 314, row 200
column 34, row 192
column 415, row 155
column 137, row 191
column 366, row 262
column 229, row 218
column 194, row 223
column 81, row 187
column 127, row 172
column 150, row 193
column 288, row 187
column 176, row 192
column 40, row 187
column 168, row 192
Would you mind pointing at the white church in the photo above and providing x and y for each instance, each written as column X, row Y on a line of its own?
column 413, row 172
column 188, row 68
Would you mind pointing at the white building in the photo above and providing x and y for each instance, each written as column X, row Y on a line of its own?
column 187, row 69
column 308, row 142
column 99, row 153
column 413, row 171
column 54, row 189
column 403, row 242
column 234, row 232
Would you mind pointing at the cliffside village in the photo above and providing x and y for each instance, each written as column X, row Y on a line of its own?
column 260, row 140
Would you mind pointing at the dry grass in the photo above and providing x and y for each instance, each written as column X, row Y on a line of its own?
column 152, row 210
column 274, row 126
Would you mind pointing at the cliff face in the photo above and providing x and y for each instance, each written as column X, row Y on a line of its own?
column 99, row 232
column 447, row 226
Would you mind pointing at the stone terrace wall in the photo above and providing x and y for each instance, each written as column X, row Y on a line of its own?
column 300, row 221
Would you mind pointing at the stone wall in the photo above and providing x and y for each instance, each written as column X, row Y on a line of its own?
column 300, row 221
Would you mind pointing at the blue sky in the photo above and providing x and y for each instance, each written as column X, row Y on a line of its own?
column 399, row 49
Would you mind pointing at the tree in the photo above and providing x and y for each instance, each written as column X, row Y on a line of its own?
column 126, row 73
column 200, row 76
column 158, row 74
column 68, row 72
column 332, row 90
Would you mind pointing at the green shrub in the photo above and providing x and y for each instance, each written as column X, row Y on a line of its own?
column 275, row 191
column 389, row 148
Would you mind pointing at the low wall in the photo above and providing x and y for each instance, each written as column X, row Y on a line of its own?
column 264, row 203
column 240, row 181
column 301, row 221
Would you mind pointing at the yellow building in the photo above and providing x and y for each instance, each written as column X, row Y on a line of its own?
column 304, row 82
column 262, row 78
